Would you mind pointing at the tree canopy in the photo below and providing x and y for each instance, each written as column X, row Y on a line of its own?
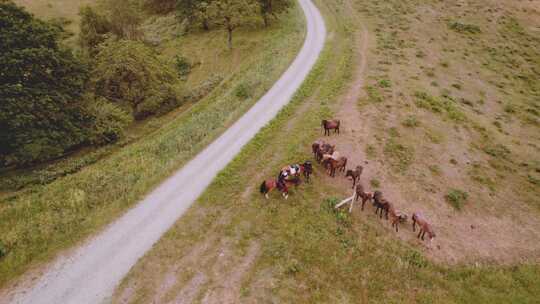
column 41, row 83
column 130, row 74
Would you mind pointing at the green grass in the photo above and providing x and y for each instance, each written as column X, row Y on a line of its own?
column 64, row 11
column 38, row 221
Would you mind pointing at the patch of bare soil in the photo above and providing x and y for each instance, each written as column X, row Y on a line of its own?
column 504, row 232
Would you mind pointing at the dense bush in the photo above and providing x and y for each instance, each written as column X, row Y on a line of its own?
column 41, row 111
column 130, row 74
column 108, row 121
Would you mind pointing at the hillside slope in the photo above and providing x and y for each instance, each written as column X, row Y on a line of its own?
column 48, row 216
column 404, row 77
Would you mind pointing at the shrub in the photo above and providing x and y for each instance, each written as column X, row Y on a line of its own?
column 242, row 91
column 384, row 83
column 183, row 66
column 109, row 121
column 411, row 122
column 456, row 198
column 130, row 73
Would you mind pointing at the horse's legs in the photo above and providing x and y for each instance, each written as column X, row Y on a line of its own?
column 419, row 232
column 266, row 195
column 423, row 233
column 413, row 224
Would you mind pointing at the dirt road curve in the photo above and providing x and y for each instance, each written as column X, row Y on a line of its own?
column 91, row 273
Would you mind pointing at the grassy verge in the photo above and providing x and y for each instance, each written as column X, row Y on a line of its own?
column 38, row 222
column 308, row 253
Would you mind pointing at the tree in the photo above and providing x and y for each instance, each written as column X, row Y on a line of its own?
column 269, row 8
column 131, row 75
column 41, row 110
column 194, row 11
column 232, row 13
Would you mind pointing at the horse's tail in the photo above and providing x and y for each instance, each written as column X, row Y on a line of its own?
column 323, row 124
column 263, row 188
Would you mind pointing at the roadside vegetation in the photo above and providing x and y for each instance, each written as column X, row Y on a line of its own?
column 235, row 246
column 155, row 93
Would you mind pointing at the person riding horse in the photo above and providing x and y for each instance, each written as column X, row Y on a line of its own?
column 289, row 173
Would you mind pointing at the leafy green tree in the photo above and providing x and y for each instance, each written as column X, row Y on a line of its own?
column 130, row 74
column 194, row 11
column 230, row 14
column 41, row 110
column 108, row 121
column 272, row 8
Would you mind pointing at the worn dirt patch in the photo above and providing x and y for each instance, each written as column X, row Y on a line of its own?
column 493, row 233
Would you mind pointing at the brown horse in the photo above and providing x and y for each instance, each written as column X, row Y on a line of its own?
column 320, row 148
column 355, row 174
column 360, row 193
column 333, row 164
column 271, row 184
column 380, row 204
column 395, row 216
column 329, row 125
column 425, row 226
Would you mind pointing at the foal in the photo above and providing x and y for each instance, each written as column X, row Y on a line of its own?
column 395, row 216
column 425, row 226
column 355, row 174
column 360, row 193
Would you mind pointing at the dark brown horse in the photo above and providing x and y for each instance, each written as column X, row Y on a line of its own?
column 380, row 204
column 360, row 193
column 425, row 226
column 319, row 148
column 329, row 125
column 332, row 164
column 355, row 174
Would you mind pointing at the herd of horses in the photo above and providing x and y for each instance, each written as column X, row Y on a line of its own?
column 331, row 160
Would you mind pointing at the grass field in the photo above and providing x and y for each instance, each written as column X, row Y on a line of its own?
column 40, row 220
column 235, row 246
column 67, row 10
